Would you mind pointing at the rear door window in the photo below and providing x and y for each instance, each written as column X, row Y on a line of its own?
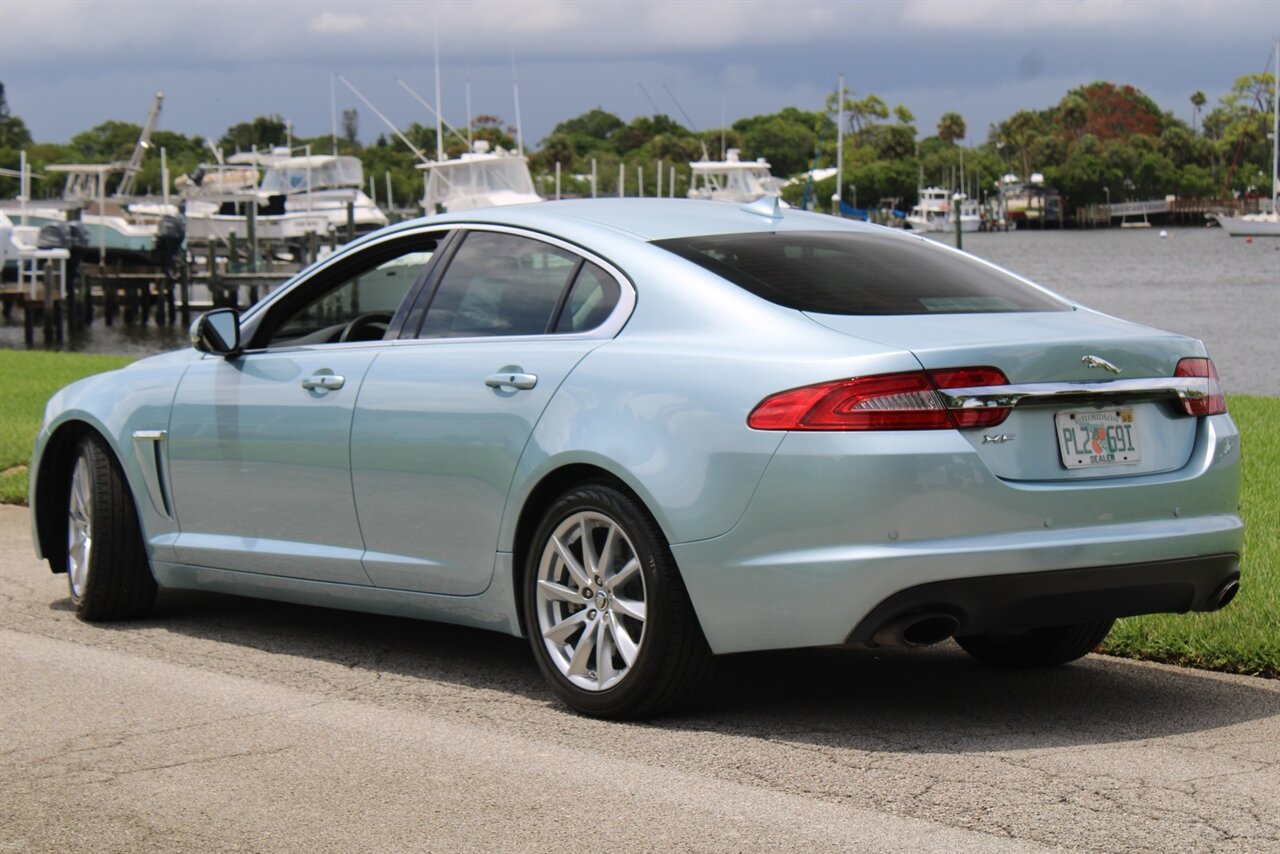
column 860, row 274
column 499, row 284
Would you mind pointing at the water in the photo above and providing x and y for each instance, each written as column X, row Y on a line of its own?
column 1197, row 282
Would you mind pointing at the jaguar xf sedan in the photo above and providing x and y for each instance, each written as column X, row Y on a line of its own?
column 643, row 433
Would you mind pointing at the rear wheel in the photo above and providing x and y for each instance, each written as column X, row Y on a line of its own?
column 107, row 568
column 608, row 616
column 1040, row 647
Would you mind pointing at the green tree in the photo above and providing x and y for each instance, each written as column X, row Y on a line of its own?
column 592, row 131
column 262, row 132
column 951, row 127
column 350, row 125
column 557, row 148
column 109, row 142
column 13, row 131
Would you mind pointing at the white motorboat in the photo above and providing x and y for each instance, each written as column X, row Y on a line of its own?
column 480, row 178
column 733, row 179
column 315, row 193
column 935, row 212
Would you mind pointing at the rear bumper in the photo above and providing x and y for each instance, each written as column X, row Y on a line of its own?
column 1030, row 599
column 840, row 524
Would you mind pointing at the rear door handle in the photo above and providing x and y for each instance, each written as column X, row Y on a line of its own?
column 323, row 382
column 520, row 381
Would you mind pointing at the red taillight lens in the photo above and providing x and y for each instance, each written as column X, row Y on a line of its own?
column 970, row 378
column 1211, row 400
column 906, row 401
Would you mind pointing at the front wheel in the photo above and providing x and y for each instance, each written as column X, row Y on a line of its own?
column 608, row 616
column 107, row 567
column 1041, row 647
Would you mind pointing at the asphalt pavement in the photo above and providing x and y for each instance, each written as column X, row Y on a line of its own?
column 227, row 724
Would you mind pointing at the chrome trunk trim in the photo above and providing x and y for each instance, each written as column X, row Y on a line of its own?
column 1010, row 396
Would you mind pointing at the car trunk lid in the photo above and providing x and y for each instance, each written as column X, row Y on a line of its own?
column 1091, row 396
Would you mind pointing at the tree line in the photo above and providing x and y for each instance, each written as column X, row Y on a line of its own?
column 1101, row 142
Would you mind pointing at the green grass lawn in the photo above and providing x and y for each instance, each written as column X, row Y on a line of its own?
column 1243, row 638
column 30, row 377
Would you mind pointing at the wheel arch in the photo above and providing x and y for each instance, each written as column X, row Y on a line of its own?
column 51, row 487
column 552, row 485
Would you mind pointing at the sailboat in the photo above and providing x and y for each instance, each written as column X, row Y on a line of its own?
column 1265, row 223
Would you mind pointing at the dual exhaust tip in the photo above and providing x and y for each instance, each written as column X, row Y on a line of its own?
column 923, row 629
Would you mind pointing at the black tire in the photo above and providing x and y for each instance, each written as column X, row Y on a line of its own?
column 673, row 658
column 111, row 578
column 1041, row 647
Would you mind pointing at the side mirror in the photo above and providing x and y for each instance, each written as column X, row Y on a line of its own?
column 217, row 332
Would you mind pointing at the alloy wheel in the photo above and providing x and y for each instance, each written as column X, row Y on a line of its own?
column 591, row 600
column 80, row 527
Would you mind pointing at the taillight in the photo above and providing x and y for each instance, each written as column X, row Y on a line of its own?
column 988, row 416
column 905, row 401
column 1210, row 400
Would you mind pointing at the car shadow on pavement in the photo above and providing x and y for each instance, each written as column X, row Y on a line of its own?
column 929, row 700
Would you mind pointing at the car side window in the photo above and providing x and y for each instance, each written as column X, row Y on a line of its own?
column 360, row 306
column 592, row 300
column 499, row 284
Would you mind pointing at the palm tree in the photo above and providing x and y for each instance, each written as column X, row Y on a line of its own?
column 1197, row 101
column 951, row 127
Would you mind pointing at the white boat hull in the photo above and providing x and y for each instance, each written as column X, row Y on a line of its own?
column 1250, row 225
column 204, row 223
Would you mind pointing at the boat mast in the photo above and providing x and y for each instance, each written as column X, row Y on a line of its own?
column 439, row 106
column 1275, row 133
column 132, row 168
column 515, row 88
column 385, row 120
column 840, row 148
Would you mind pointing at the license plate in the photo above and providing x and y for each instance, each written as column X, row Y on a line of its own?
column 1097, row 437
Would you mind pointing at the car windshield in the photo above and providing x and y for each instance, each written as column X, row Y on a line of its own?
column 859, row 273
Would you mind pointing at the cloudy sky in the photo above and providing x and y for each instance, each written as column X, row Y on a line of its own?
column 69, row 65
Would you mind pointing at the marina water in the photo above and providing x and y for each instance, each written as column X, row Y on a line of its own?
column 1196, row 281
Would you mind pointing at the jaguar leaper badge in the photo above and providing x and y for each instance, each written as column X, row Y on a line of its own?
column 1095, row 362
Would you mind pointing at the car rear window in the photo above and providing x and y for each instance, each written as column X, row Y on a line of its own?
column 856, row 273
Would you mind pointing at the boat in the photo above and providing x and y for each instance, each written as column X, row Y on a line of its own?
column 479, row 178
column 113, row 228
column 733, row 179
column 296, row 196
column 1263, row 223
column 934, row 212
column 1020, row 204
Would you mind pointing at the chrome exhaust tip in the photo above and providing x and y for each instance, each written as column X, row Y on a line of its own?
column 1225, row 594
column 916, row 630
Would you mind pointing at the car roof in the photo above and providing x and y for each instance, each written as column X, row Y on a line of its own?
column 649, row 219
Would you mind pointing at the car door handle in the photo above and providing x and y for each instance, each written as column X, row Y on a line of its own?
column 323, row 382
column 520, row 381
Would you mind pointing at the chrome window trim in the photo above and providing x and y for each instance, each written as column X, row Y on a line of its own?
column 319, row 267
column 1011, row 396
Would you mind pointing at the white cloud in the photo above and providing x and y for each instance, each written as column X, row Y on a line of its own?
column 331, row 23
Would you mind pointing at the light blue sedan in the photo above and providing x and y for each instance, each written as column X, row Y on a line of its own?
column 646, row 432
